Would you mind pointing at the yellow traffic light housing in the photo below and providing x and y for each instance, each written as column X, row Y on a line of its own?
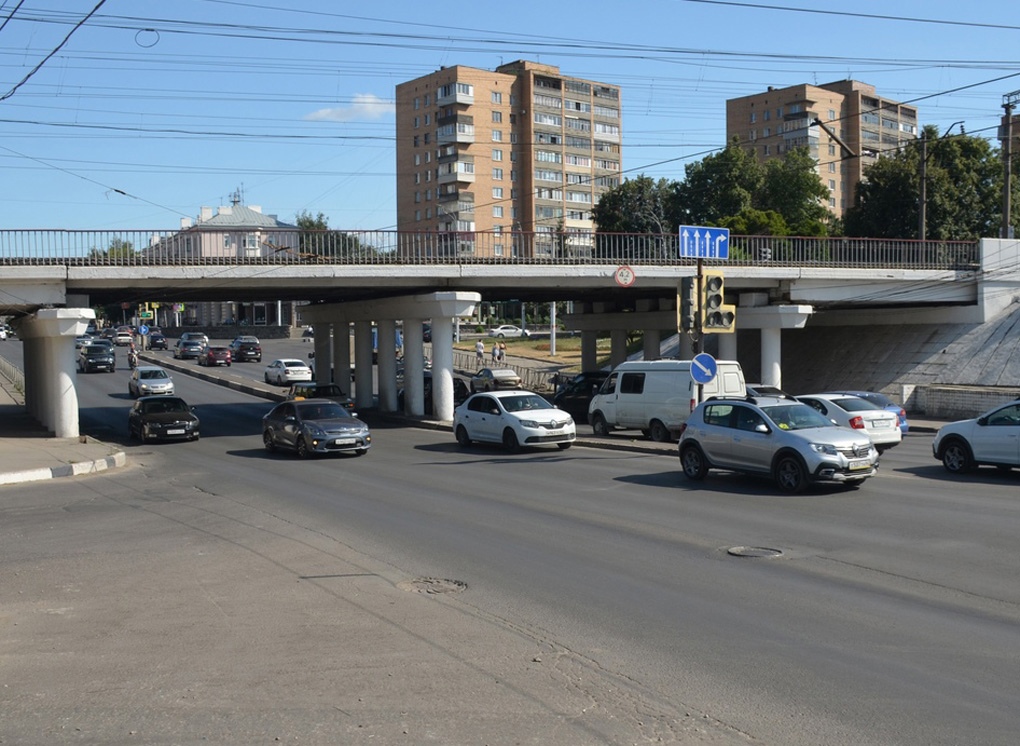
column 687, row 305
column 717, row 317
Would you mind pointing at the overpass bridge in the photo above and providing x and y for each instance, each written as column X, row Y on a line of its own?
column 50, row 279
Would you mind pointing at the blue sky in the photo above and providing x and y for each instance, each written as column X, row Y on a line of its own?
column 152, row 109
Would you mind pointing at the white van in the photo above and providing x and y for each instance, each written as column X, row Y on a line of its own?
column 656, row 396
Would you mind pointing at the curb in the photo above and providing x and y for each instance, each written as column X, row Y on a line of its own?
column 119, row 458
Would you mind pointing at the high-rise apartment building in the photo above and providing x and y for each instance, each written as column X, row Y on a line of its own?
column 519, row 149
column 845, row 125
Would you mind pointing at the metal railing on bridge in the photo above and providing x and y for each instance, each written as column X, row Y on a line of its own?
column 200, row 246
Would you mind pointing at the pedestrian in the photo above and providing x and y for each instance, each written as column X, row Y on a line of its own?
column 480, row 352
column 502, row 353
column 495, row 352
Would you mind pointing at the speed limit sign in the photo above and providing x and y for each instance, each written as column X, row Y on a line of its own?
column 625, row 276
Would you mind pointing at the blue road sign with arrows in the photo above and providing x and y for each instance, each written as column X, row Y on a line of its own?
column 703, row 368
column 700, row 242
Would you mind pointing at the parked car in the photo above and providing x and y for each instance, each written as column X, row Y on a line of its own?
column 783, row 439
column 188, row 349
column 310, row 426
column 490, row 379
column 150, row 380
column 992, row 439
column 312, row 390
column 514, row 418
column 859, row 414
column 286, row 371
column 508, row 331
column 157, row 341
column 213, row 356
column 876, row 397
column 575, row 395
column 162, row 418
column 246, row 348
column 95, row 357
column 460, row 392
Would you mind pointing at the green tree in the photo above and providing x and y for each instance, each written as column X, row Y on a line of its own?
column 117, row 249
column 639, row 205
column 752, row 222
column 313, row 231
column 719, row 186
column 792, row 188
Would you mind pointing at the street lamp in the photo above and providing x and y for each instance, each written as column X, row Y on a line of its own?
column 922, row 216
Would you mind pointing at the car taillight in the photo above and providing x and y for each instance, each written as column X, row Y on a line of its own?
column 682, row 428
column 857, row 423
column 903, row 414
column 694, row 403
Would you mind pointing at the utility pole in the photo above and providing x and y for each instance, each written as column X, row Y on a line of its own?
column 922, row 208
column 1006, row 133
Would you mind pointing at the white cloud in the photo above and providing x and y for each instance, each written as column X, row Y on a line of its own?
column 363, row 106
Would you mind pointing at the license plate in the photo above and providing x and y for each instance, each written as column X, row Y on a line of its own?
column 345, row 441
column 881, row 424
column 858, row 464
column 175, row 432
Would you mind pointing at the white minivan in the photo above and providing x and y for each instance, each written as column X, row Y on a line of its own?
column 656, row 396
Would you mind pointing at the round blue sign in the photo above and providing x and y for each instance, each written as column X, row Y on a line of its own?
column 703, row 368
column 143, row 330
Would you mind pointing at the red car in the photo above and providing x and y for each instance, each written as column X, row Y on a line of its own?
column 215, row 356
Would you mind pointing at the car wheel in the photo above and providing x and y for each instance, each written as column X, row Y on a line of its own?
column 501, row 335
column 265, row 377
column 658, row 432
column 956, row 457
column 599, row 426
column 463, row 439
column 564, row 446
column 790, row 475
column 302, row 448
column 267, row 440
column 510, row 441
column 693, row 462
column 196, row 436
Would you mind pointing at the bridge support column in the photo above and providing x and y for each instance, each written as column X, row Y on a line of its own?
column 363, row 393
column 442, row 368
column 323, row 331
column 685, row 347
column 50, row 366
column 617, row 346
column 387, row 365
column 728, row 346
column 652, row 344
column 589, row 350
column 414, row 368
column 772, row 357
column 342, row 355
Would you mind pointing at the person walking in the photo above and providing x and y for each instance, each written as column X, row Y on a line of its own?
column 502, row 353
column 495, row 352
column 480, row 352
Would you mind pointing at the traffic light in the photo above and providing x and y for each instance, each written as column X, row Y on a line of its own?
column 716, row 316
column 687, row 305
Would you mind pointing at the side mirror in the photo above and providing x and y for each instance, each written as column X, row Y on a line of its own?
column 982, row 420
column 761, row 427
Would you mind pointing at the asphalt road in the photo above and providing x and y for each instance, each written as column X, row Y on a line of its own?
column 886, row 615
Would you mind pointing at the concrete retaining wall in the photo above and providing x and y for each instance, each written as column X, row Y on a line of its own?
column 955, row 402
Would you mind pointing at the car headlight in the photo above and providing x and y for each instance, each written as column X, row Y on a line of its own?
column 315, row 431
column 533, row 424
column 827, row 449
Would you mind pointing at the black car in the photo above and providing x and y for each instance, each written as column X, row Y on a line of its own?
column 158, row 342
column 188, row 348
column 92, row 358
column 246, row 348
column 576, row 394
column 162, row 418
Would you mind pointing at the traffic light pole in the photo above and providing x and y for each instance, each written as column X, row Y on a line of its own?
column 699, row 313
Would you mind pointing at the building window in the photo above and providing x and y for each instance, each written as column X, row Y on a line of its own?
column 417, row 214
column 417, row 178
column 497, row 192
column 832, row 185
column 767, row 115
column 766, row 132
column 497, row 174
column 415, row 141
column 832, row 149
column 754, row 117
column 226, row 241
column 779, row 112
column 832, row 168
column 497, row 117
column 497, row 154
column 766, row 150
column 497, row 135
column 428, row 213
column 832, row 115
column 417, row 196
column 426, row 138
column 497, row 211
column 497, row 97
column 417, row 122
column 417, row 103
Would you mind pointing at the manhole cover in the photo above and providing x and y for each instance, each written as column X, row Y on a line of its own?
column 754, row 552
column 432, row 585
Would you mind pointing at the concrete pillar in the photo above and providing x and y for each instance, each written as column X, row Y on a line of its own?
column 727, row 346
column 414, row 368
column 342, row 355
column 387, row 370
column 323, row 355
column 771, row 357
column 363, row 364
column 685, row 348
column 652, row 344
column 618, row 346
column 32, row 352
column 442, row 368
column 589, row 350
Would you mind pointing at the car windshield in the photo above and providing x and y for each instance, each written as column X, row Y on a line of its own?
column 150, row 374
column 165, row 405
column 855, row 404
column 293, row 364
column 523, row 403
column 322, row 411
column 96, row 350
column 795, row 417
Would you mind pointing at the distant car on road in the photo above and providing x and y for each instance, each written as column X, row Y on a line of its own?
column 508, row 331
column 992, row 439
column 162, row 418
column 513, row 418
column 213, row 356
column 312, row 390
column 95, row 357
column 150, row 380
column 157, row 341
column 285, row 371
column 314, row 426
column 490, row 379
column 188, row 349
column 876, row 397
column 124, row 339
column 858, row 414
column 246, row 348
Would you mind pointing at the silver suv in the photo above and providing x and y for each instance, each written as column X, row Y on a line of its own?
column 776, row 437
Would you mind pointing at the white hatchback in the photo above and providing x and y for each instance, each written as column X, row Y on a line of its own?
column 881, row 425
column 993, row 438
column 514, row 418
column 286, row 371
